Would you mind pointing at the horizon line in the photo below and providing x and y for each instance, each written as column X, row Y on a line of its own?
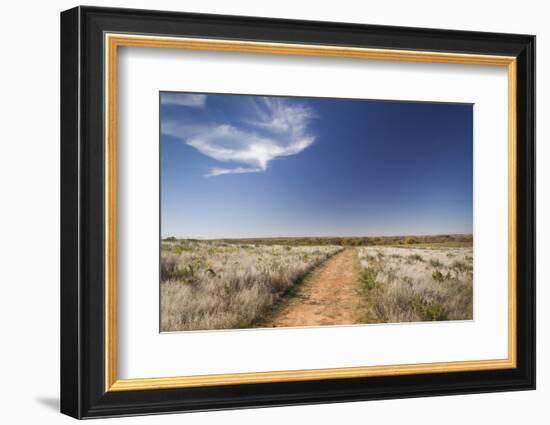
column 323, row 237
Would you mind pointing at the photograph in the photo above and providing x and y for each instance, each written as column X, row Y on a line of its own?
column 281, row 211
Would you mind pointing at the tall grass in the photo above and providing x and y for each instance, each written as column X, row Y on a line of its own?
column 215, row 285
column 410, row 285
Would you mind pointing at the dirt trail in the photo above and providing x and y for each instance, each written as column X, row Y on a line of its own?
column 328, row 297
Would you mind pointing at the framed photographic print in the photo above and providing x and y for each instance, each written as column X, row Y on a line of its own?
column 261, row 212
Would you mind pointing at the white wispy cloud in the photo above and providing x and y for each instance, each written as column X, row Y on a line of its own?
column 270, row 128
column 239, row 170
column 183, row 99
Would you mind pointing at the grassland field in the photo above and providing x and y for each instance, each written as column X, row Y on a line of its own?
column 276, row 282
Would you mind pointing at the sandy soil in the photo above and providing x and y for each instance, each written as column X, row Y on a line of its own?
column 328, row 297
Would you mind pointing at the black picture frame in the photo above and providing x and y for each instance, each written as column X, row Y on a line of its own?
column 83, row 392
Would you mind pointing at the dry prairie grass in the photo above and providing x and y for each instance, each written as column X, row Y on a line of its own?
column 215, row 285
column 412, row 284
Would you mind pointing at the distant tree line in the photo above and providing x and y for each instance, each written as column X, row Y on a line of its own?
column 462, row 240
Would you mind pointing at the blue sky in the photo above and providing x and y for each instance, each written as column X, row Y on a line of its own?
column 237, row 166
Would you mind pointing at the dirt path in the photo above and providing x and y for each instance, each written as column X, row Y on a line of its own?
column 328, row 297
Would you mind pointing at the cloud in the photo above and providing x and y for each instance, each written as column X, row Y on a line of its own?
column 239, row 170
column 183, row 99
column 266, row 129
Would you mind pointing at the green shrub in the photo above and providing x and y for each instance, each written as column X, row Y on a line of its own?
column 410, row 240
column 438, row 276
column 461, row 267
column 435, row 312
column 368, row 278
column 430, row 310
column 415, row 257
